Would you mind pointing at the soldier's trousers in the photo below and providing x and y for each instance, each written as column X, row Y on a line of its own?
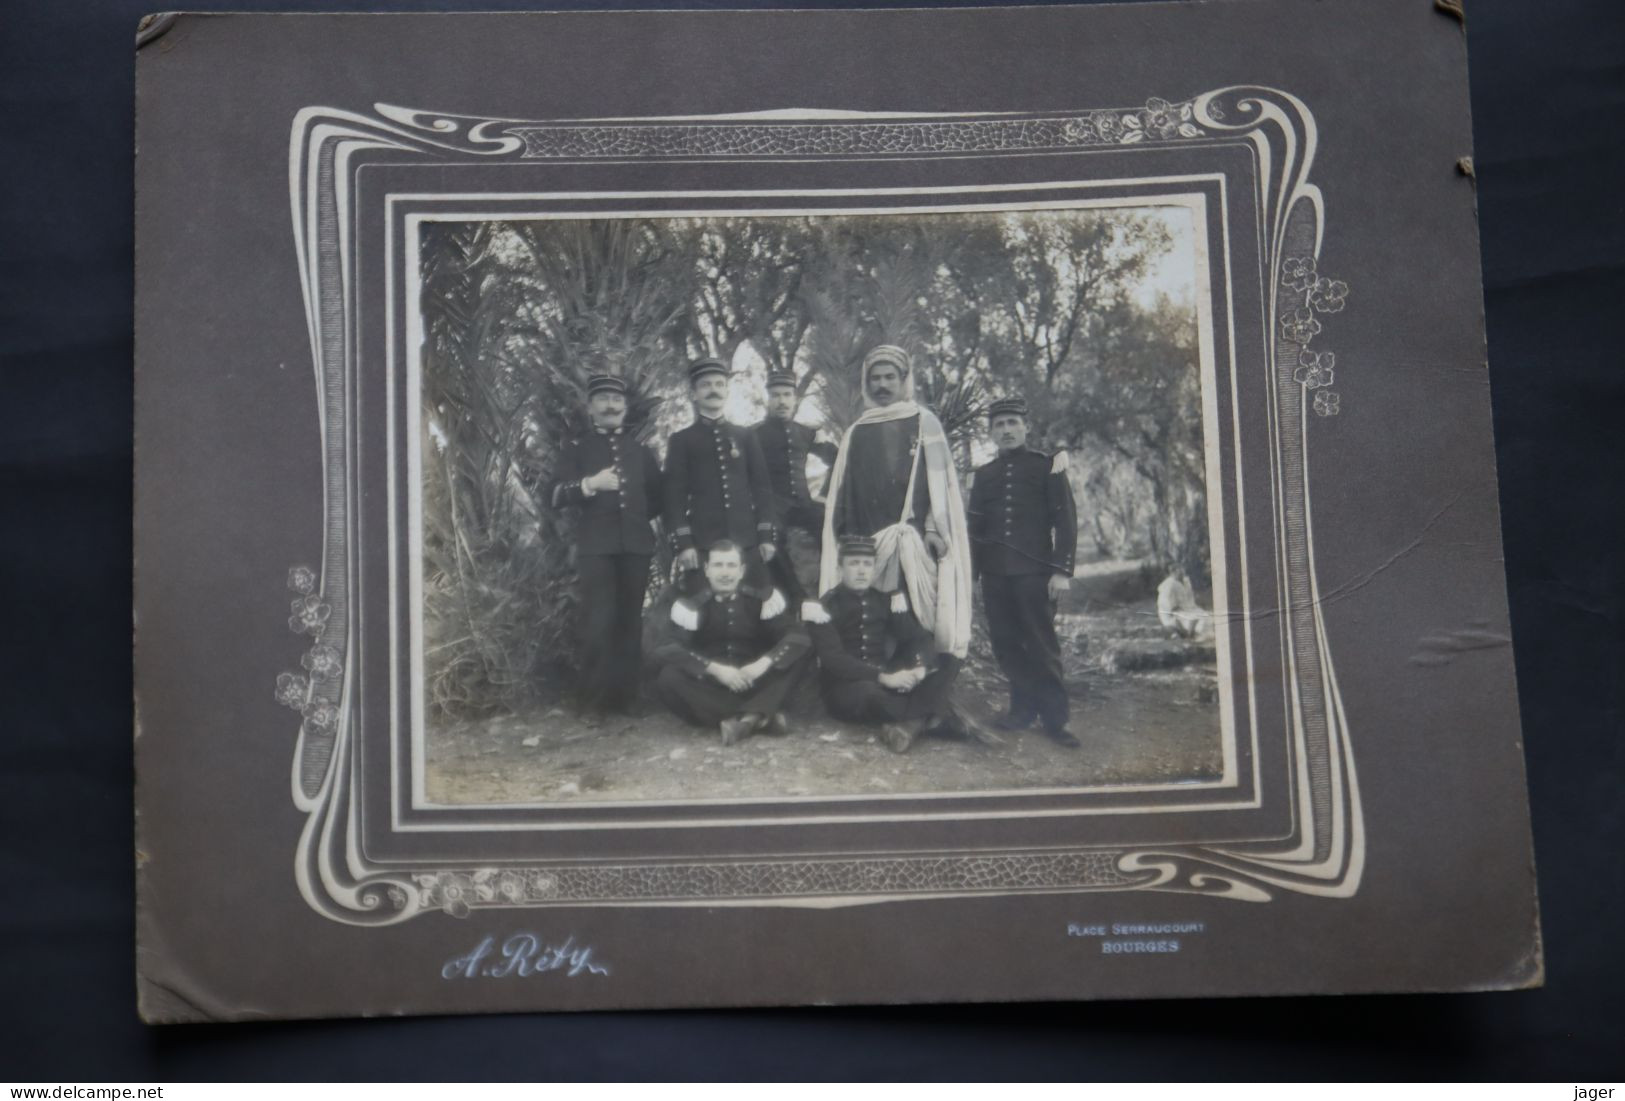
column 867, row 701
column 611, row 618
column 707, row 703
column 1021, row 623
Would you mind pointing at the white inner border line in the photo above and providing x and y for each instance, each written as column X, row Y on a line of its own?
column 1195, row 203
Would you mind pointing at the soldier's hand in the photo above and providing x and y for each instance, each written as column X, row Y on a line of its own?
column 756, row 669
column 1058, row 585
column 605, row 481
column 768, row 551
column 727, row 676
column 689, row 559
column 936, row 544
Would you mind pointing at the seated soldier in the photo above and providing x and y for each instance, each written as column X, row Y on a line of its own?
column 731, row 654
column 877, row 659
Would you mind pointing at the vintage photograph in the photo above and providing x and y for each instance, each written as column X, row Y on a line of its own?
column 814, row 505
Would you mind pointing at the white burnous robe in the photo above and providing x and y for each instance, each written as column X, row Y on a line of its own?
column 940, row 592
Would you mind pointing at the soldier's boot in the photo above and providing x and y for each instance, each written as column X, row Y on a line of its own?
column 899, row 736
column 775, row 725
column 1015, row 720
column 1061, row 736
column 949, row 725
column 737, row 730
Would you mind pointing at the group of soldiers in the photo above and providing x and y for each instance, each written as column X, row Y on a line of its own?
column 889, row 625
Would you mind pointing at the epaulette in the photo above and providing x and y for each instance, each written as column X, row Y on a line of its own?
column 685, row 612
column 773, row 606
column 899, row 601
column 1057, row 463
column 813, row 611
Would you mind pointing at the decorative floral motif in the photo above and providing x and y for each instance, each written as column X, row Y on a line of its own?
column 1108, row 125
column 1158, row 120
column 1301, row 327
column 1327, row 295
column 309, row 616
column 1314, row 369
column 1165, row 120
column 292, row 690
column 321, row 717
column 458, row 892
column 302, row 579
column 1298, row 272
column 323, row 662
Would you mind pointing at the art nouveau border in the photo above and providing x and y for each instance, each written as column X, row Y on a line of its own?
column 1327, row 857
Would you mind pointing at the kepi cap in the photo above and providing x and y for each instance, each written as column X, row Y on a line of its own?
column 702, row 367
column 1018, row 406
column 600, row 383
column 856, row 544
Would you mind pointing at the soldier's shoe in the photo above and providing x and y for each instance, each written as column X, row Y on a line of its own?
column 634, row 708
column 735, row 731
column 1061, row 736
column 899, row 736
column 950, row 725
column 1015, row 720
column 775, row 725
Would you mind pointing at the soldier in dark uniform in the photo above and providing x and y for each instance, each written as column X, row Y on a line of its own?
column 731, row 654
column 716, row 484
column 877, row 659
column 1024, row 531
column 785, row 446
column 614, row 482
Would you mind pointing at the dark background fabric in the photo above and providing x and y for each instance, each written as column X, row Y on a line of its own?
column 1548, row 88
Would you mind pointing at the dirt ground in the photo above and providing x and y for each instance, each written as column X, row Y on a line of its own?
column 1144, row 707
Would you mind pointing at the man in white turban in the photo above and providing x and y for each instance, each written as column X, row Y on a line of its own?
column 894, row 482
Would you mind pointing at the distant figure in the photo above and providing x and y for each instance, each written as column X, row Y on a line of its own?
column 614, row 482
column 731, row 654
column 785, row 446
column 1178, row 611
column 878, row 662
column 716, row 484
column 894, row 483
column 1024, row 531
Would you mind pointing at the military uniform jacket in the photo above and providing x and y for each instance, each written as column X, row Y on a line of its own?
column 1021, row 516
column 717, row 487
column 785, row 447
column 612, row 521
column 734, row 630
column 866, row 634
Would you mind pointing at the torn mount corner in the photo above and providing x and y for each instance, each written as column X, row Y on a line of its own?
column 1464, row 165
column 1454, row 8
column 153, row 26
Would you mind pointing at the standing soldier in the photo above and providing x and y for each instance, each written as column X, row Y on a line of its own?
column 878, row 661
column 716, row 483
column 614, row 482
column 1024, row 531
column 785, row 446
column 731, row 653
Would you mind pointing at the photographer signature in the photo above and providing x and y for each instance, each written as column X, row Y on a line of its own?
column 522, row 956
